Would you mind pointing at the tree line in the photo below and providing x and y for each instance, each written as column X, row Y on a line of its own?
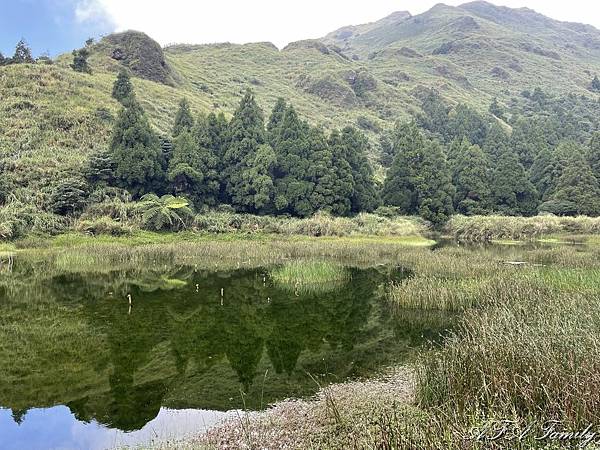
column 446, row 161
column 458, row 161
column 279, row 166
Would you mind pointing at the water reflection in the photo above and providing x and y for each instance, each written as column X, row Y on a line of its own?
column 207, row 341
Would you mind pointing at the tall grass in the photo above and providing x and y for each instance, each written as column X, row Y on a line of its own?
column 310, row 276
column 534, row 353
column 488, row 228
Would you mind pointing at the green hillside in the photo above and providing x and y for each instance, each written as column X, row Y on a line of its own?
column 53, row 118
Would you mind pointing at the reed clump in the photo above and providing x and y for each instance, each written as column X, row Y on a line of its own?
column 488, row 228
column 310, row 276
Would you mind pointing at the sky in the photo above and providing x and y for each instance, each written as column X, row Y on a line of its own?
column 58, row 26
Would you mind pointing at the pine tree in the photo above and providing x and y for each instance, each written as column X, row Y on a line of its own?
column 22, row 54
column 496, row 143
column 435, row 117
column 259, row 190
column 80, row 63
column 528, row 139
column 386, row 150
column 293, row 183
column 593, row 154
column 434, row 185
column 183, row 119
column 465, row 122
column 185, row 173
column 513, row 193
column 245, row 135
column 330, row 173
column 540, row 173
column 136, row 153
column 122, row 88
column 577, row 190
column 3, row 60
column 595, row 86
column 470, row 176
column 275, row 120
column 365, row 196
column 399, row 188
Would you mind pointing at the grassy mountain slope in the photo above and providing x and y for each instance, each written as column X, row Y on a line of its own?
column 369, row 75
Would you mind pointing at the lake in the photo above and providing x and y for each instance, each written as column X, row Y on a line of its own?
column 81, row 368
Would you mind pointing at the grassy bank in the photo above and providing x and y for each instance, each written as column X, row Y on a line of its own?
column 546, row 228
column 525, row 350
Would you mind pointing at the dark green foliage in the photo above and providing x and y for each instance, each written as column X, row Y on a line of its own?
column 80, row 63
column 193, row 169
column 183, row 119
column 365, row 196
column 512, row 191
column 69, row 196
column 293, row 183
column 246, row 134
column 434, row 185
column 470, row 176
column 386, row 147
column 495, row 109
column 258, row 180
column 136, row 153
column 593, row 154
column 333, row 175
column 541, row 172
column 577, row 190
column 465, row 122
column 399, row 188
column 435, row 117
column 275, row 120
column 22, row 54
column 528, row 139
column 496, row 143
column 122, row 88
column 595, row 86
column 3, row 60
column 100, row 169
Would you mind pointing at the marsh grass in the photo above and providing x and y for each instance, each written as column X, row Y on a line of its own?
column 489, row 228
column 310, row 276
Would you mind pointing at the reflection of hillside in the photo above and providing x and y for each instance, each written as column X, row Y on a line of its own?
column 183, row 345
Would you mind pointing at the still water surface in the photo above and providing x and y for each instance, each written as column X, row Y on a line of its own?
column 81, row 369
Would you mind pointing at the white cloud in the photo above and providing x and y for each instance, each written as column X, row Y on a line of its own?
column 278, row 21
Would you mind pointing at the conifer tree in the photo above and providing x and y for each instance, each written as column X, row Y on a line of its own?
column 293, row 184
column 245, row 135
column 365, row 196
column 122, row 88
column 275, row 120
column 434, row 185
column 259, row 190
column 528, row 139
column 69, row 196
column 386, row 150
column 541, row 172
column 496, row 143
column 183, row 119
column 470, row 176
column 136, row 153
column 80, row 63
column 330, row 173
column 593, row 154
column 465, row 122
column 3, row 60
column 399, row 188
column 513, row 193
column 22, row 54
column 577, row 190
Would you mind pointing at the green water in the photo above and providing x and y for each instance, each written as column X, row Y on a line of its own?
column 72, row 348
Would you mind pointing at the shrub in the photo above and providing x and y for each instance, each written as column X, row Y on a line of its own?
column 103, row 225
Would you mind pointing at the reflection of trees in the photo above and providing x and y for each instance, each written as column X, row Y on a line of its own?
column 203, row 333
